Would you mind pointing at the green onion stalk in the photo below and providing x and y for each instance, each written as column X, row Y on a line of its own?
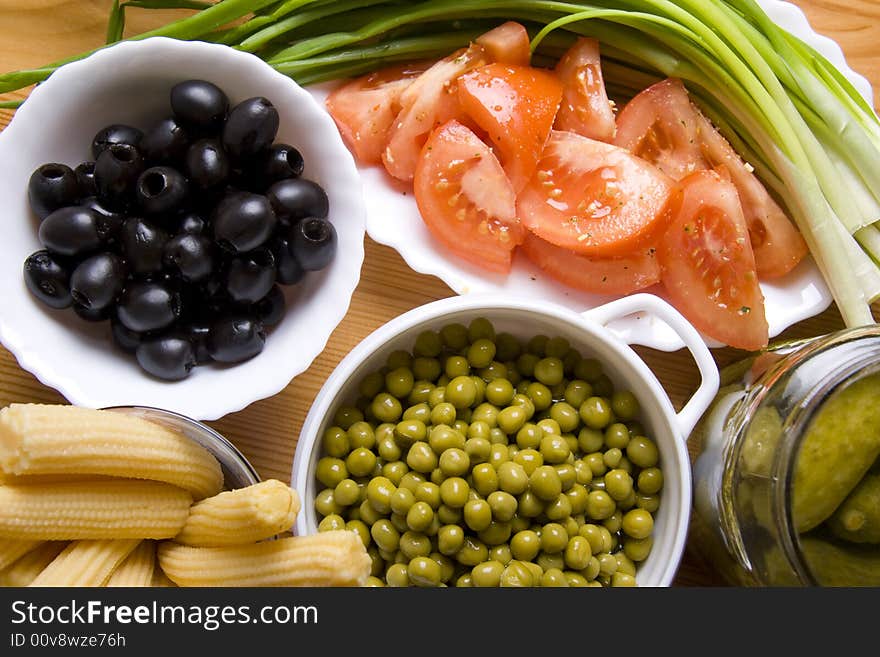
column 811, row 137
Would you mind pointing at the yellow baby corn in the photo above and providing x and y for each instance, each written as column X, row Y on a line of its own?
column 138, row 567
column 11, row 550
column 124, row 508
column 246, row 515
column 333, row 558
column 37, row 439
column 25, row 570
column 86, row 563
column 160, row 579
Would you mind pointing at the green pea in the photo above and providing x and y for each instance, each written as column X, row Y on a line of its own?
column 335, row 442
column 619, row 580
column 332, row 522
column 346, row 416
column 481, row 353
column 346, row 492
column 418, row 413
column 572, row 442
column 411, row 480
column 461, row 426
column 438, row 395
column 397, row 575
column 618, row 484
column 525, row 365
column 443, row 437
column 379, row 492
column 565, row 415
column 428, row 344
column 331, row 470
column 548, row 426
column 480, row 327
column 614, row 522
column 650, row 481
column 511, row 419
column 616, row 436
column 600, row 505
column 554, row 538
column 385, row 535
column 455, row 462
column 603, row 386
column 567, row 475
column 577, row 392
column 484, row 478
column 512, row 477
column 449, row 516
column 367, row 513
column 529, row 436
column 437, row 476
column 624, row 563
column 537, row 344
column 530, row 460
column 525, row 545
column 625, row 405
column 554, row 449
column 409, row 432
column 583, row 471
column 607, row 565
column 464, row 581
column 497, row 436
column 577, row 553
column 454, row 336
column 494, row 371
column 477, row 514
column 642, row 451
column 596, row 463
column 421, row 457
column 500, row 553
column 499, row 392
column 454, row 492
column 371, row 385
column 612, row 457
column 399, row 382
column 419, row 516
column 553, row 577
column 590, row 440
column 550, row 370
column 402, row 500
column 360, row 528
column 386, row 407
column 428, row 492
column 540, row 395
column 593, row 534
column 530, row 505
column 545, row 483
column 503, row 505
column 472, row 552
column 461, row 392
column 450, row 538
column 595, row 412
column 496, row 533
column 421, row 393
column 649, row 503
column 499, row 454
column 517, row 574
column 508, row 347
column 478, row 448
column 571, row 526
column 456, row 366
column 486, row 413
column 424, row 572
column 638, row 523
column 559, row 509
column 577, row 498
column 522, row 400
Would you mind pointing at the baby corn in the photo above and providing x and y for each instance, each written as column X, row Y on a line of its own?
column 25, row 570
column 11, row 550
column 44, row 439
column 86, row 563
column 333, row 558
column 246, row 515
column 138, row 567
column 124, row 508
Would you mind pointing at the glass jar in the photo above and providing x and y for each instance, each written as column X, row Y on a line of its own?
column 787, row 476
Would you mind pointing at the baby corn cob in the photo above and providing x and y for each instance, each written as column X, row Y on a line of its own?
column 138, row 567
column 124, row 508
column 37, row 439
column 333, row 558
column 86, row 563
column 25, row 570
column 160, row 579
column 11, row 550
column 246, row 515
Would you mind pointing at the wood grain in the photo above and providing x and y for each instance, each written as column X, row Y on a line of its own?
column 41, row 31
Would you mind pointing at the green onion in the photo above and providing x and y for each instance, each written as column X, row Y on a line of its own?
column 812, row 139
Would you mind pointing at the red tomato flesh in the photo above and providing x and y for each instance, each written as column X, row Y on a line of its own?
column 707, row 264
column 364, row 108
column 465, row 198
column 593, row 198
column 508, row 44
column 615, row 276
column 663, row 126
column 516, row 106
column 585, row 107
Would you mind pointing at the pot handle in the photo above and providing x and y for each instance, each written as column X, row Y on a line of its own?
column 698, row 403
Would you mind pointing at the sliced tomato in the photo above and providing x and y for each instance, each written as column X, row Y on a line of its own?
column 593, row 198
column 617, row 276
column 663, row 126
column 515, row 106
column 707, row 264
column 585, row 107
column 508, row 44
column 364, row 108
column 465, row 198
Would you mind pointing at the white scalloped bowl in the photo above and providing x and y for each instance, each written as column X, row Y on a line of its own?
column 129, row 83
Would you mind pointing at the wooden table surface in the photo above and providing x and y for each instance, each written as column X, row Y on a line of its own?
column 36, row 32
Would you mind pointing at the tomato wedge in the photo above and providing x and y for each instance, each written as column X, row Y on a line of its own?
column 707, row 264
column 663, row 126
column 465, row 198
column 593, row 198
column 508, row 44
column 617, row 276
column 364, row 108
column 516, row 106
column 585, row 107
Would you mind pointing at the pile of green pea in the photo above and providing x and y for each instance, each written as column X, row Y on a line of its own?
column 480, row 460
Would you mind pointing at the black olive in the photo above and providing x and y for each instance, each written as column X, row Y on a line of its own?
column 97, row 281
column 313, row 243
column 161, row 190
column 207, row 164
column 250, row 127
column 168, row 357
column 270, row 309
column 143, row 244
column 148, row 307
column 115, row 134
column 189, row 256
column 85, row 180
column 116, row 173
column 279, row 162
column 47, row 279
column 197, row 333
column 235, row 339
column 71, row 231
column 52, row 186
column 288, row 271
column 298, row 198
column 90, row 314
column 243, row 221
column 199, row 105
column 109, row 221
column 165, row 143
column 192, row 223
column 127, row 339
column 250, row 276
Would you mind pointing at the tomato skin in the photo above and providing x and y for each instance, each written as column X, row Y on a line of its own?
column 593, row 198
column 615, row 276
column 365, row 108
column 707, row 264
column 515, row 106
column 465, row 198
column 585, row 108
column 507, row 44
column 663, row 126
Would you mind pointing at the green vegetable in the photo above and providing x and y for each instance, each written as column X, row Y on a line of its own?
column 857, row 519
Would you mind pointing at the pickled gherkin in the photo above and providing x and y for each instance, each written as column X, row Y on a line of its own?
column 858, row 519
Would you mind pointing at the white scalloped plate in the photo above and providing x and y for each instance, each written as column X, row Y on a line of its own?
column 393, row 219
column 129, row 83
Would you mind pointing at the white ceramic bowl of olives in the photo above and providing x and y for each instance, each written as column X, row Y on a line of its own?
column 184, row 229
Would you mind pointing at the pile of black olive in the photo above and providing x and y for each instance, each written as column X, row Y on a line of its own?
column 181, row 234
